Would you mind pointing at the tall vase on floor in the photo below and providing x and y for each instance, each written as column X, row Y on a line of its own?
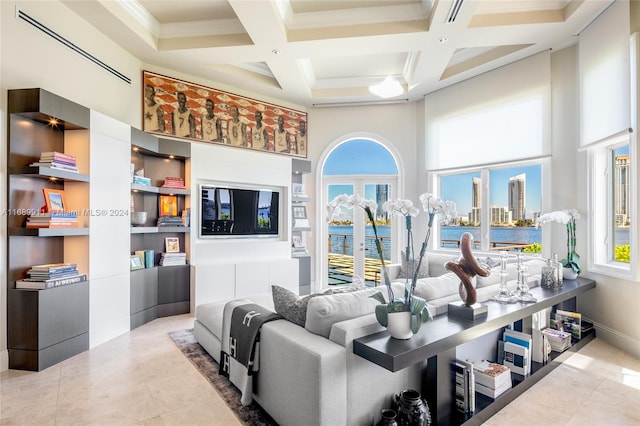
column 412, row 410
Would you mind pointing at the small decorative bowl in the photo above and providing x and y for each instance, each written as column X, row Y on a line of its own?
column 138, row 218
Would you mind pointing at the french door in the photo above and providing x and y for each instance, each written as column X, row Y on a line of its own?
column 351, row 250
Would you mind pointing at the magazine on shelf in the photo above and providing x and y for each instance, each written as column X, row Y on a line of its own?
column 571, row 322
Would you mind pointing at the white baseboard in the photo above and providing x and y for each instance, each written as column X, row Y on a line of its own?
column 4, row 360
column 620, row 340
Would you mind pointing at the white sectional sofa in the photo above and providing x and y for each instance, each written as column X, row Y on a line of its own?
column 310, row 376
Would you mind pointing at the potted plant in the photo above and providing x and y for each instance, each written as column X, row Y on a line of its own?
column 568, row 218
column 404, row 315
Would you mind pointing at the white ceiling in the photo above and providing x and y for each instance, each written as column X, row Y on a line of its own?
column 311, row 52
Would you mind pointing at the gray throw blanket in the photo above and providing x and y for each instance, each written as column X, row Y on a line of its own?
column 239, row 355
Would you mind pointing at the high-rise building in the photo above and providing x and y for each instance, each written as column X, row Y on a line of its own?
column 476, row 193
column 382, row 195
column 621, row 189
column 517, row 196
column 500, row 215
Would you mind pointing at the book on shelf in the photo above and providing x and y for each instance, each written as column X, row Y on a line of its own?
column 174, row 182
column 540, row 347
column 186, row 217
column 492, row 392
column 56, row 165
column 491, row 379
column 51, row 155
column 141, row 180
column 41, row 275
column 149, row 257
column 559, row 340
column 45, row 284
column 464, row 381
column 170, row 221
column 53, row 267
column 172, row 259
column 54, row 215
column 568, row 321
column 520, row 339
column 516, row 357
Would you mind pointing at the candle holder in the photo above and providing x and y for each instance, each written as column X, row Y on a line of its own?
column 504, row 295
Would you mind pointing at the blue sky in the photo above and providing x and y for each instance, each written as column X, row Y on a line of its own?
column 361, row 156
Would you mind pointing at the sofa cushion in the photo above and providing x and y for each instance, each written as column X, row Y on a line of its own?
column 436, row 287
column 406, row 268
column 323, row 312
column 291, row 306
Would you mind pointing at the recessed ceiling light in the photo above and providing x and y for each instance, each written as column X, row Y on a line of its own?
column 276, row 51
column 443, row 39
column 387, row 89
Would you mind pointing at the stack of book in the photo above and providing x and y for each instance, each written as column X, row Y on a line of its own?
column 58, row 219
column 560, row 341
column 170, row 221
column 174, row 182
column 51, row 275
column 57, row 160
column 492, row 379
column 141, row 180
column 171, row 259
column 465, row 383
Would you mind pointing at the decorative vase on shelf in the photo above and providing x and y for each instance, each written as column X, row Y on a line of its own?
column 411, row 409
column 569, row 274
column 388, row 418
column 399, row 325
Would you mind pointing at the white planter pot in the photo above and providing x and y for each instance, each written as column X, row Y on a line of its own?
column 399, row 325
column 569, row 274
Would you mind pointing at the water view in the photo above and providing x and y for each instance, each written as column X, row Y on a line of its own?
column 341, row 237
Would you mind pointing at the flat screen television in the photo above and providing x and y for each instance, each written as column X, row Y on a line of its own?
column 239, row 210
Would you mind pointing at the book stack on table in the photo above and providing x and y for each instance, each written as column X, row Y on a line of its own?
column 57, row 160
column 492, row 379
column 51, row 275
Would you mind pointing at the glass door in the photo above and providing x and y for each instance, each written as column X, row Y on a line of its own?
column 351, row 249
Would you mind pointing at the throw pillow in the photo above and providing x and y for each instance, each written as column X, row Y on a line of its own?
column 407, row 269
column 323, row 312
column 290, row 306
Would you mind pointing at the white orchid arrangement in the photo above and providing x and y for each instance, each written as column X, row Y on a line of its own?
column 432, row 205
column 567, row 218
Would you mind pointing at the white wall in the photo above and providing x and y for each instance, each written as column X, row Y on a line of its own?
column 397, row 124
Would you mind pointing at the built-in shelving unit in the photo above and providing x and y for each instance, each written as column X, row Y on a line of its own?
column 299, row 168
column 45, row 327
column 158, row 291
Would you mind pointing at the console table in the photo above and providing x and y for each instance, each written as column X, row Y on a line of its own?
column 437, row 341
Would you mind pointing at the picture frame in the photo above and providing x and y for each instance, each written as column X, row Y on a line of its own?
column 191, row 111
column 54, row 200
column 136, row 262
column 297, row 241
column 299, row 212
column 172, row 245
column 168, row 205
column 298, row 190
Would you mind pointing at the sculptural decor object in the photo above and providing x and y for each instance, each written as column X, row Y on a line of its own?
column 467, row 267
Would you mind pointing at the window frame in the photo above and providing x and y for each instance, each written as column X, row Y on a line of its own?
column 434, row 182
column 602, row 221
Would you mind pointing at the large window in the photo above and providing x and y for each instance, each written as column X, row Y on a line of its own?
column 498, row 205
column 612, row 225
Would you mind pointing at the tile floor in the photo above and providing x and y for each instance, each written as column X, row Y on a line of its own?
column 141, row 378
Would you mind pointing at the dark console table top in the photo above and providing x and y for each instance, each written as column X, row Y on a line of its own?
column 443, row 332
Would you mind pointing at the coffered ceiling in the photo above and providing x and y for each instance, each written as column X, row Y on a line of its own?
column 317, row 52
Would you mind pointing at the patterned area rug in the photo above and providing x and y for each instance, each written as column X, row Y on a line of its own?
column 250, row 415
